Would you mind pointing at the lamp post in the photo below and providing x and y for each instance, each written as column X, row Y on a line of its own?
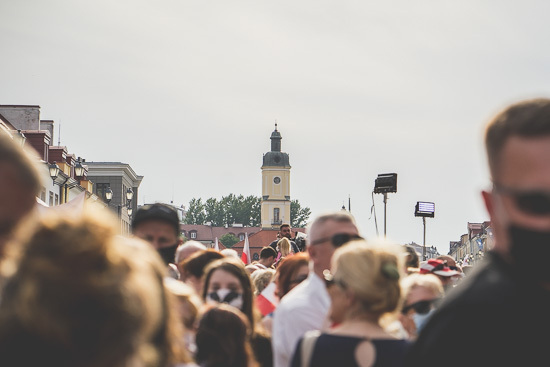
column 129, row 196
column 425, row 210
column 384, row 183
column 54, row 173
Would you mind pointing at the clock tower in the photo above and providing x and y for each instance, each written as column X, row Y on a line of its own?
column 275, row 185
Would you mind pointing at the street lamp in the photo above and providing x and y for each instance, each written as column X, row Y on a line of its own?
column 384, row 183
column 425, row 210
column 78, row 169
column 108, row 195
column 54, row 173
column 129, row 196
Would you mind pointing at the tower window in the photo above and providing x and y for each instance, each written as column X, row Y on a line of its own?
column 276, row 212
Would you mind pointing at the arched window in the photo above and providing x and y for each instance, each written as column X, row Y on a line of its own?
column 193, row 234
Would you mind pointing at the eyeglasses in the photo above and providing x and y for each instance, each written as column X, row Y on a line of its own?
column 338, row 239
column 420, row 307
column 330, row 281
column 534, row 202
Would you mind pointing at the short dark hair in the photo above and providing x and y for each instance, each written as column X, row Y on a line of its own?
column 283, row 226
column 197, row 262
column 528, row 119
column 267, row 252
column 157, row 211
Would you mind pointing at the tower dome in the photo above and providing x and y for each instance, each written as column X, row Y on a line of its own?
column 276, row 158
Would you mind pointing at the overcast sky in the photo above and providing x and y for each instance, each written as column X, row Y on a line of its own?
column 187, row 93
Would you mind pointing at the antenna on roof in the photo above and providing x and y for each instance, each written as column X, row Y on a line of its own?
column 275, row 124
column 59, row 135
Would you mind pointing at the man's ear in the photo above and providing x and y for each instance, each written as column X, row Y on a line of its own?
column 489, row 202
column 311, row 251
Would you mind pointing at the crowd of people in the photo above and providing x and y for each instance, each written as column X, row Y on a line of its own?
column 74, row 292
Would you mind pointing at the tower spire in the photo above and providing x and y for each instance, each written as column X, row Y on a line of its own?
column 276, row 140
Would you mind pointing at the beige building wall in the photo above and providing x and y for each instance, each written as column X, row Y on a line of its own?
column 275, row 196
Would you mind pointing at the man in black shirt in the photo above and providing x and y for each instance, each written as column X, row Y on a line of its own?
column 500, row 314
column 285, row 231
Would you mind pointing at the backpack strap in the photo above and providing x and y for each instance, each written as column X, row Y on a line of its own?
column 308, row 344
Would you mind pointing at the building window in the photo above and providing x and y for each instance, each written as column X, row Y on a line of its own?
column 51, row 199
column 100, row 189
column 57, row 199
column 43, row 194
column 241, row 236
column 276, row 215
column 193, row 235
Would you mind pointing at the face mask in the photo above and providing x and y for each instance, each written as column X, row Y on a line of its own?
column 530, row 250
column 224, row 295
column 420, row 320
column 168, row 253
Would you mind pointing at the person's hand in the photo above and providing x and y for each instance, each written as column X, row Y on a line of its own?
column 408, row 325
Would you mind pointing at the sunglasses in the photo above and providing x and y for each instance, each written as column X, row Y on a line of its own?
column 420, row 307
column 338, row 239
column 534, row 202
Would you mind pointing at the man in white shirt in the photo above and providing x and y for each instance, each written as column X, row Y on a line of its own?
column 306, row 307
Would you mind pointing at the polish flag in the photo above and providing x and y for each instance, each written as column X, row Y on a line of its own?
column 216, row 246
column 267, row 301
column 245, row 257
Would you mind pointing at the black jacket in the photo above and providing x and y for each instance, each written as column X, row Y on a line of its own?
column 495, row 317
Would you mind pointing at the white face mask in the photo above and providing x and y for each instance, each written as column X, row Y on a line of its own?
column 420, row 320
column 224, row 295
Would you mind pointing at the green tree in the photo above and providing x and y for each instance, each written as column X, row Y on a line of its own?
column 243, row 210
column 298, row 215
column 214, row 212
column 229, row 240
column 196, row 213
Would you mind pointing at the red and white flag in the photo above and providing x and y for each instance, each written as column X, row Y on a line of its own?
column 245, row 257
column 267, row 301
column 216, row 246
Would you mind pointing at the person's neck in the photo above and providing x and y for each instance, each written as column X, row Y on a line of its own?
column 318, row 271
column 360, row 327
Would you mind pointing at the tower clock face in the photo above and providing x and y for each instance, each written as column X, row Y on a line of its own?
column 277, row 180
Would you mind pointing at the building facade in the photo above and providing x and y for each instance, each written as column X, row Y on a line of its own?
column 117, row 178
column 275, row 207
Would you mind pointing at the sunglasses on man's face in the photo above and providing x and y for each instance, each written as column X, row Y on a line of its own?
column 533, row 202
column 420, row 307
column 338, row 239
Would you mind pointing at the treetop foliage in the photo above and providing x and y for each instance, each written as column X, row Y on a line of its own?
column 233, row 209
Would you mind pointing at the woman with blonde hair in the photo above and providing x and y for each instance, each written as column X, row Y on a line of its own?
column 421, row 294
column 284, row 249
column 82, row 296
column 363, row 285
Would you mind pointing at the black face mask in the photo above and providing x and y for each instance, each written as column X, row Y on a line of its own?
column 168, row 253
column 530, row 250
